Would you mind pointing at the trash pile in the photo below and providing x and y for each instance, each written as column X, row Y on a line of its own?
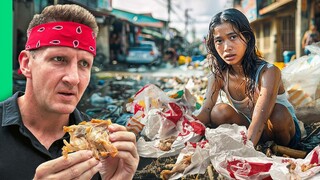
column 301, row 78
column 173, row 144
column 165, row 127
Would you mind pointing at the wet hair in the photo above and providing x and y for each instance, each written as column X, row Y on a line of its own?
column 252, row 57
column 65, row 12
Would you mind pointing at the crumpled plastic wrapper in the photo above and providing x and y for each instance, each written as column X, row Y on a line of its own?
column 186, row 130
column 158, row 115
column 199, row 160
column 288, row 168
column 234, row 156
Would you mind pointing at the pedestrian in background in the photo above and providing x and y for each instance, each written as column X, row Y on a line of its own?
column 170, row 57
column 57, row 63
column 312, row 35
column 115, row 47
column 253, row 86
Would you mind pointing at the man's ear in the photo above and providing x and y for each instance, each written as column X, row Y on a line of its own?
column 24, row 59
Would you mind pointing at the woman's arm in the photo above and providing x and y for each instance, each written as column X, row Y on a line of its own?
column 211, row 96
column 269, row 87
column 304, row 39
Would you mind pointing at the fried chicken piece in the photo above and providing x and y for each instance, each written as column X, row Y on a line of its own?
column 179, row 167
column 93, row 135
column 165, row 144
column 306, row 167
column 291, row 166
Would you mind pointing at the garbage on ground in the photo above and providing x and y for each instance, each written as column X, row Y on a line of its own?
column 163, row 120
column 233, row 156
column 159, row 112
column 99, row 101
column 301, row 78
column 165, row 127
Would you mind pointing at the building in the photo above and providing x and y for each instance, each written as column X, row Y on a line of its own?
column 279, row 25
column 23, row 11
column 130, row 27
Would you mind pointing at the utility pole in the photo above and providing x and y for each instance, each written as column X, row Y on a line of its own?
column 186, row 14
column 169, row 11
column 169, row 19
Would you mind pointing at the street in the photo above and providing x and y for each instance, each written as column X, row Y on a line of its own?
column 120, row 82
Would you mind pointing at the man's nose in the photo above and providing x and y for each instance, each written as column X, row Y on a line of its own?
column 72, row 75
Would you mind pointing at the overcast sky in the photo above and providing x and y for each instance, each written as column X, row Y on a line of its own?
column 199, row 11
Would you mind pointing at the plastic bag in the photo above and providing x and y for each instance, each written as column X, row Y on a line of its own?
column 159, row 116
column 199, row 159
column 301, row 79
column 233, row 155
column 288, row 168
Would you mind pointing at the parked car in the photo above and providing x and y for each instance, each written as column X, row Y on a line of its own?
column 146, row 52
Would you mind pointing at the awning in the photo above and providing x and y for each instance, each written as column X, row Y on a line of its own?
column 273, row 6
column 152, row 32
column 138, row 19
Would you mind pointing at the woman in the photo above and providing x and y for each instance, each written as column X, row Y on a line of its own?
column 310, row 36
column 253, row 86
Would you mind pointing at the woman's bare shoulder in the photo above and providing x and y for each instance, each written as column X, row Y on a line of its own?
column 270, row 71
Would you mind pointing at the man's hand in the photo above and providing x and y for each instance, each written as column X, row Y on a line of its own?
column 78, row 165
column 125, row 164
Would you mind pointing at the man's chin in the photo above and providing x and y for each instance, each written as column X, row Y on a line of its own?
column 65, row 109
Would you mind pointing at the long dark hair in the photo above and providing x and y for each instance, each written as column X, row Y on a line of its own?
column 252, row 57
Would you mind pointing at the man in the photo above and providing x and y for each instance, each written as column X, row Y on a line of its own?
column 57, row 63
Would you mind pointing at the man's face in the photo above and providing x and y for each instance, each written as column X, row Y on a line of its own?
column 59, row 77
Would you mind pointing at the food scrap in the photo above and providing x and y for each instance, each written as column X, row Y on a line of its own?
column 178, row 167
column 92, row 135
column 165, row 144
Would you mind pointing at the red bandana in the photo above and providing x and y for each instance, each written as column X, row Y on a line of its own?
column 68, row 34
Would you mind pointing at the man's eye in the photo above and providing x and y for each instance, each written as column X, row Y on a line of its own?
column 84, row 63
column 59, row 59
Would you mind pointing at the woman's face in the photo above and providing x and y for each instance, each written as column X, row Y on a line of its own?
column 228, row 43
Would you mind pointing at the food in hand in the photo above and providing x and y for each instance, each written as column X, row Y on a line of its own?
column 92, row 135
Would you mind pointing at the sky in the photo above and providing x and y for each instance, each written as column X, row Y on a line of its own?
column 199, row 12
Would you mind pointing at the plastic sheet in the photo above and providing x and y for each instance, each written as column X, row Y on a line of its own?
column 301, row 78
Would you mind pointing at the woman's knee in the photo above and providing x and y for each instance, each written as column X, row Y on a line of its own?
column 282, row 122
column 222, row 114
column 220, row 110
column 280, row 116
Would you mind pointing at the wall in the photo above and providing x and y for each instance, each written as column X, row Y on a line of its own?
column 22, row 15
column 103, row 42
column 273, row 34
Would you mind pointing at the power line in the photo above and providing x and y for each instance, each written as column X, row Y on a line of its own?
column 173, row 7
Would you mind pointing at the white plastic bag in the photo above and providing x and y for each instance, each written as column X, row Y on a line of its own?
column 301, row 78
column 280, row 168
